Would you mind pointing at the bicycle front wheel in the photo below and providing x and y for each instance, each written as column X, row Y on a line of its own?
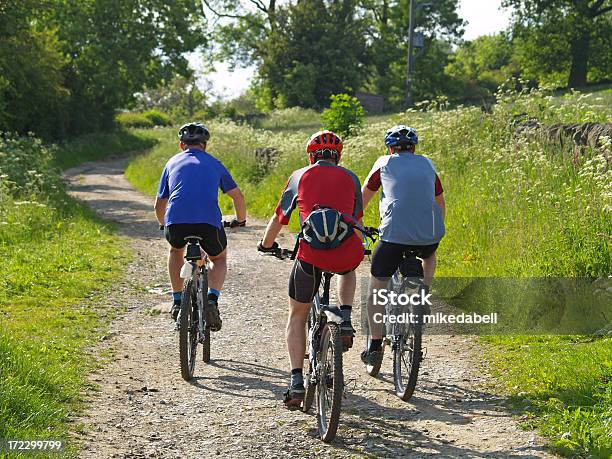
column 407, row 356
column 188, row 332
column 330, row 384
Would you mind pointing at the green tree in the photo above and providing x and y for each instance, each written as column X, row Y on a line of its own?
column 481, row 65
column 180, row 97
column 115, row 47
column 67, row 65
column 388, row 34
column 304, row 51
column 564, row 38
column 32, row 95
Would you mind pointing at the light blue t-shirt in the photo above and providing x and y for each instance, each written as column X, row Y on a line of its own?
column 191, row 181
column 409, row 213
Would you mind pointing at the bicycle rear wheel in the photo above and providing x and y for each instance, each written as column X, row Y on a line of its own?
column 188, row 337
column 330, row 384
column 407, row 356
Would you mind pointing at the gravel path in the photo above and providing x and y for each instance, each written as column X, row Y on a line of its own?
column 233, row 409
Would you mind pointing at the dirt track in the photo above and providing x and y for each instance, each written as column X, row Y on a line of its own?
column 233, row 407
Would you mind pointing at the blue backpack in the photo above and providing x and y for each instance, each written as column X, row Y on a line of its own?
column 326, row 228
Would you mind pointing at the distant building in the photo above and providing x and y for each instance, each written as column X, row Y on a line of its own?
column 372, row 103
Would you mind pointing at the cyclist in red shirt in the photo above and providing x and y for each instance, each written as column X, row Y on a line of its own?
column 322, row 184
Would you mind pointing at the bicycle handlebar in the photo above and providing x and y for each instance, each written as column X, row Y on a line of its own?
column 281, row 254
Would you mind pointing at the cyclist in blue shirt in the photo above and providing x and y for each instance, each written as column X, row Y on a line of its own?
column 187, row 204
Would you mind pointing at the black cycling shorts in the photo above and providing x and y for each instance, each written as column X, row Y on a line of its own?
column 213, row 240
column 304, row 281
column 387, row 257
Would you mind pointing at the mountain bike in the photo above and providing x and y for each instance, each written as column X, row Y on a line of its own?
column 405, row 340
column 192, row 320
column 324, row 382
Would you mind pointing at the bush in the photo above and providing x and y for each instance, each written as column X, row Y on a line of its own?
column 158, row 118
column 26, row 168
column 148, row 119
column 344, row 116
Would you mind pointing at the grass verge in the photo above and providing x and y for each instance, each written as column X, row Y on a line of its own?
column 56, row 257
column 561, row 385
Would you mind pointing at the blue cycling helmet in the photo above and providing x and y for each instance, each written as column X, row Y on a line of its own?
column 401, row 135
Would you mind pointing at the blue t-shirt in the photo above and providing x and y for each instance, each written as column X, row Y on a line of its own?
column 190, row 181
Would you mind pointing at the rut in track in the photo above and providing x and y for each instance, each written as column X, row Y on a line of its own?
column 232, row 409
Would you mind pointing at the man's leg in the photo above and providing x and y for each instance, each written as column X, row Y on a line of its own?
column 296, row 347
column 375, row 309
column 175, row 263
column 216, row 279
column 429, row 269
column 217, row 271
column 296, row 332
column 346, row 294
column 346, row 288
column 385, row 261
column 303, row 283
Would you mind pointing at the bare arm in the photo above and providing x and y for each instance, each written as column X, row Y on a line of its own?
column 440, row 201
column 367, row 196
column 239, row 203
column 274, row 227
column 160, row 209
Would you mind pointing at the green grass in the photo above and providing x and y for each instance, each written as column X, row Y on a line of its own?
column 56, row 258
column 563, row 386
column 516, row 208
column 97, row 146
column 296, row 119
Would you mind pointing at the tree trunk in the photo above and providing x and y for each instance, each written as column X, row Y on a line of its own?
column 580, row 58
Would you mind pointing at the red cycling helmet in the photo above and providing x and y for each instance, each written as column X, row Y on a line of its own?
column 324, row 145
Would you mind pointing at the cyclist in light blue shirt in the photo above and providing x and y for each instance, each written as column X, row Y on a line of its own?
column 412, row 212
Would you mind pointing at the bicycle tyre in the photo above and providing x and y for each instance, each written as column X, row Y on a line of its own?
column 410, row 355
column 188, row 340
column 330, row 339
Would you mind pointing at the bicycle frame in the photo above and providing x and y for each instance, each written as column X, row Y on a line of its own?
column 320, row 314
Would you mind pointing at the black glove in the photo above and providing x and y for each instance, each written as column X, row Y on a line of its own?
column 234, row 224
column 273, row 249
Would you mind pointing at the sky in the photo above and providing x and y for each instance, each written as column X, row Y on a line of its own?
column 484, row 17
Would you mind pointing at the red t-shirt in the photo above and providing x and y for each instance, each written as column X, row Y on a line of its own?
column 328, row 185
